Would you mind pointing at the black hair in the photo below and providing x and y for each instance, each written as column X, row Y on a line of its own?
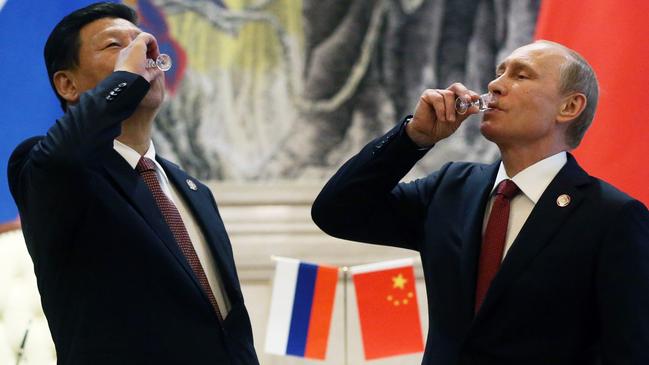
column 62, row 47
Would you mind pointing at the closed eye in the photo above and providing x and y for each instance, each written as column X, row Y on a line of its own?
column 113, row 44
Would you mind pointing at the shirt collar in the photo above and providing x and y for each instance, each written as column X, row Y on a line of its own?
column 534, row 179
column 132, row 156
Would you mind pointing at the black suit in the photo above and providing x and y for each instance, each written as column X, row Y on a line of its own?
column 114, row 285
column 573, row 288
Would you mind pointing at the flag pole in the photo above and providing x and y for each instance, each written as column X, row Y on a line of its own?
column 345, row 330
column 21, row 350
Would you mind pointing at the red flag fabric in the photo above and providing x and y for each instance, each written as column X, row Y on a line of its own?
column 388, row 309
column 611, row 35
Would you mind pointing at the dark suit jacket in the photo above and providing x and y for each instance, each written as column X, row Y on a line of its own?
column 573, row 289
column 114, row 285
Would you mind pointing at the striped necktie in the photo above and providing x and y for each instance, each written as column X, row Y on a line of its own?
column 147, row 169
column 493, row 241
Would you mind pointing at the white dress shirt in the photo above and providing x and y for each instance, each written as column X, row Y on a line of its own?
column 532, row 181
column 195, row 235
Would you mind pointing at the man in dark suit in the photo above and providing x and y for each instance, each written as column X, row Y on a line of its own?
column 131, row 257
column 527, row 261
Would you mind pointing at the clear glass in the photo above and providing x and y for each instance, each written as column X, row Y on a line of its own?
column 461, row 105
column 163, row 62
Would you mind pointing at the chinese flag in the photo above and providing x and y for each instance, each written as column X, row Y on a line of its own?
column 387, row 308
column 612, row 36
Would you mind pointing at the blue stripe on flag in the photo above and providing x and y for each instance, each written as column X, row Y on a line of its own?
column 299, row 329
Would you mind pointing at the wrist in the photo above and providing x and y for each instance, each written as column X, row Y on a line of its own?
column 422, row 140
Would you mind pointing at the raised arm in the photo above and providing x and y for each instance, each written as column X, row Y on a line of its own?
column 90, row 125
column 364, row 201
column 48, row 175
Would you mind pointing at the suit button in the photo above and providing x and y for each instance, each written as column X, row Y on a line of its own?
column 109, row 98
column 117, row 89
column 122, row 84
column 113, row 93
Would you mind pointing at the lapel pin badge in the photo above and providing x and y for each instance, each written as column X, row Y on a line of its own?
column 191, row 185
column 563, row 200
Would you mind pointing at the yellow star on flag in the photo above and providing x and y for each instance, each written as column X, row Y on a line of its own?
column 399, row 282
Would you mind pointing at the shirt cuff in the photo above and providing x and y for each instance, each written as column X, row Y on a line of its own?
column 411, row 142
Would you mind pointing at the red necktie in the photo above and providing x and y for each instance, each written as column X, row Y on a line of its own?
column 493, row 241
column 147, row 170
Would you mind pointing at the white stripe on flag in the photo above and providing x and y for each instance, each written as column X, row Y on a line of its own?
column 384, row 265
column 281, row 305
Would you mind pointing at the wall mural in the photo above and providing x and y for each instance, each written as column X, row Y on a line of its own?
column 288, row 89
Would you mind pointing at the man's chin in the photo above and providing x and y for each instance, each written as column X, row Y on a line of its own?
column 488, row 131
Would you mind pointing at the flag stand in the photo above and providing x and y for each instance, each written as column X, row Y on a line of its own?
column 381, row 275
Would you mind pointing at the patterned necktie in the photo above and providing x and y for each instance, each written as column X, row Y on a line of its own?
column 493, row 241
column 147, row 170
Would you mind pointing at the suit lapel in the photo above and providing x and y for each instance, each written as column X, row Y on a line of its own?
column 481, row 183
column 544, row 221
column 138, row 194
column 199, row 202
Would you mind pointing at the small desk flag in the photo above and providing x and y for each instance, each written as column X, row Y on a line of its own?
column 387, row 308
column 301, row 308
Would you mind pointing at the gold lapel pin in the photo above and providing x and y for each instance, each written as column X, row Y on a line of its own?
column 191, row 185
column 563, row 200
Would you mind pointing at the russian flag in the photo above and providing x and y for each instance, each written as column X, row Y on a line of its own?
column 301, row 309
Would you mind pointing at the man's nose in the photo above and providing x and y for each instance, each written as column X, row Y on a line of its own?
column 497, row 87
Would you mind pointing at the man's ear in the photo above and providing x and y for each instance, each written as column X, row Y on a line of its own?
column 66, row 86
column 571, row 107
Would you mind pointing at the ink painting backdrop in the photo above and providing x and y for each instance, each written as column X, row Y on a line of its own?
column 267, row 90
column 286, row 90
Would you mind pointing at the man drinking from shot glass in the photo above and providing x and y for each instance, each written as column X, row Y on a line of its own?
column 528, row 260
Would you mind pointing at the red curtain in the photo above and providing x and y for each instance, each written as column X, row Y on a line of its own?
column 614, row 37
